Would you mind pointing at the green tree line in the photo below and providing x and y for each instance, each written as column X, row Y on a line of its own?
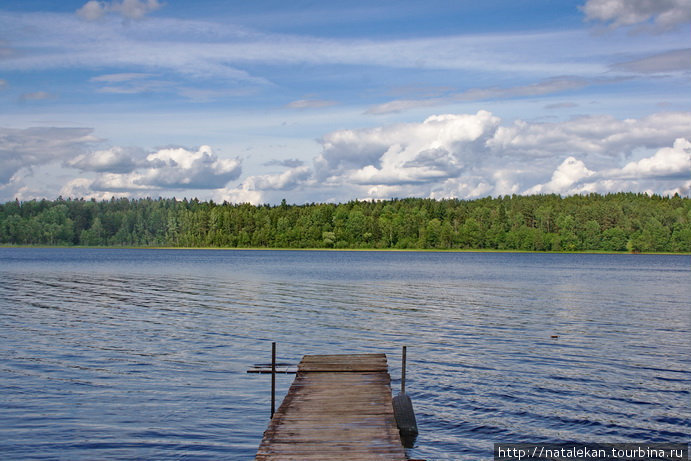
column 613, row 222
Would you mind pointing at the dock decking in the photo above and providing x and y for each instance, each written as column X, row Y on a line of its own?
column 338, row 408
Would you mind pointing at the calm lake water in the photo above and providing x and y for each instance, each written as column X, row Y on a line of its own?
column 142, row 354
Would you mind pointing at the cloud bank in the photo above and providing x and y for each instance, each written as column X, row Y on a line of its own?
column 32, row 147
column 165, row 169
column 442, row 156
column 105, row 172
column 475, row 155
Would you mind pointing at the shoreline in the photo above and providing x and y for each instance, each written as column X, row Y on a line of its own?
column 401, row 250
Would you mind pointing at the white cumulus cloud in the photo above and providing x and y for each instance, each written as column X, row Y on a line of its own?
column 114, row 160
column 83, row 188
column 436, row 149
column 287, row 180
column 598, row 134
column 670, row 162
column 473, row 155
column 667, row 166
column 447, row 155
column 242, row 194
column 182, row 168
column 171, row 168
column 565, row 177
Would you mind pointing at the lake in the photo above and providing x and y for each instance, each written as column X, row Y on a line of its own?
column 142, row 354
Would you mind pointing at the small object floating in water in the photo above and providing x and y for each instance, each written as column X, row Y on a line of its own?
column 403, row 411
column 405, row 419
column 554, row 336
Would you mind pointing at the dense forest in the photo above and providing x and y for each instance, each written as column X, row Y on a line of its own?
column 613, row 222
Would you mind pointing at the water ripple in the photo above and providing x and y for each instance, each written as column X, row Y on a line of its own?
column 142, row 354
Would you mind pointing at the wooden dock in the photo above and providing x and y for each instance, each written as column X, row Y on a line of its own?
column 338, row 408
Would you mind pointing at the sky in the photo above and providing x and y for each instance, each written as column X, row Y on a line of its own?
column 330, row 101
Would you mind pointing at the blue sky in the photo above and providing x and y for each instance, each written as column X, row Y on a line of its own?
column 333, row 101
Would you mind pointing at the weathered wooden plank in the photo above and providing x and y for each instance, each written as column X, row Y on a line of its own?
column 335, row 367
column 344, row 358
column 339, row 407
column 344, row 363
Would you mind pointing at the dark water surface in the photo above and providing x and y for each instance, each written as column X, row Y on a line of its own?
column 141, row 354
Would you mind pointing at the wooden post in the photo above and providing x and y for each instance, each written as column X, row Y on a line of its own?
column 273, row 379
column 403, row 359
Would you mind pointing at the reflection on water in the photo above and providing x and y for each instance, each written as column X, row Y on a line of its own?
column 142, row 354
